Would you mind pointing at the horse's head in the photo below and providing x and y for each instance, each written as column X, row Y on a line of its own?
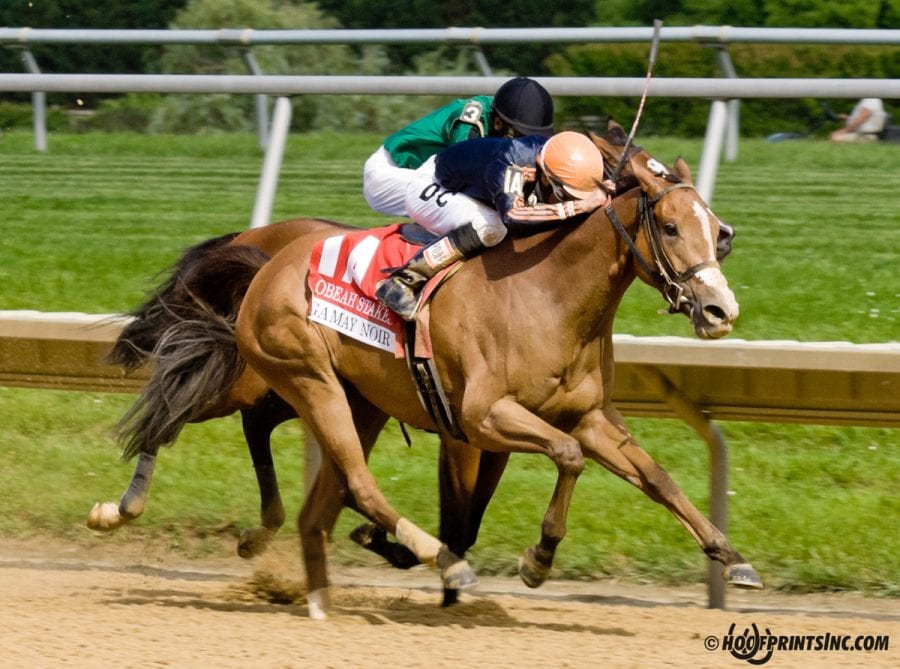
column 680, row 241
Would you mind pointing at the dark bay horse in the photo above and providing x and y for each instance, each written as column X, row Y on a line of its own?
column 176, row 331
column 179, row 332
column 532, row 373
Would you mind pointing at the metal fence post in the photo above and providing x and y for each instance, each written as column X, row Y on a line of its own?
column 732, row 127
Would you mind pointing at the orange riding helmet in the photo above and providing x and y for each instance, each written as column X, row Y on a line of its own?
column 572, row 161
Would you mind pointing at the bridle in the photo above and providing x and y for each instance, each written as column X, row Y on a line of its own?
column 663, row 271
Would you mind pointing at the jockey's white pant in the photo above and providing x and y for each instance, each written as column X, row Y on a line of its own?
column 384, row 183
column 439, row 211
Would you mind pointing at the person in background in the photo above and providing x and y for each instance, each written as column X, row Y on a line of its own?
column 864, row 123
column 521, row 106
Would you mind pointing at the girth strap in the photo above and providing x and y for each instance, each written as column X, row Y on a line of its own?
column 428, row 386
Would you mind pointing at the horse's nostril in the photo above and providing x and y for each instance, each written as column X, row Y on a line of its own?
column 714, row 313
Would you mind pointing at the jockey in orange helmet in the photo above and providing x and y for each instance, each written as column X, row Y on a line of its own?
column 521, row 106
column 484, row 187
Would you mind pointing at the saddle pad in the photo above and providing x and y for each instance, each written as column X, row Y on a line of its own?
column 344, row 272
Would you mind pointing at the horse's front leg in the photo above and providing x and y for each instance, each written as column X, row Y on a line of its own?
column 606, row 440
column 467, row 479
column 509, row 427
column 108, row 516
column 258, row 423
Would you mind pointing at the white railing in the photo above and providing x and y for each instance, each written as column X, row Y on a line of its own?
column 722, row 126
column 831, row 383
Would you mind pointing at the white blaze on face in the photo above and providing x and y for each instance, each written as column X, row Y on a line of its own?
column 713, row 277
column 703, row 215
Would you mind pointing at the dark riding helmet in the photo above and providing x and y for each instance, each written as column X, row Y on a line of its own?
column 525, row 106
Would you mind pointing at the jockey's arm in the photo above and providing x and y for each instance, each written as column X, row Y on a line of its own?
column 515, row 211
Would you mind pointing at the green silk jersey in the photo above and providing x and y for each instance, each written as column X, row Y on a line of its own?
column 457, row 121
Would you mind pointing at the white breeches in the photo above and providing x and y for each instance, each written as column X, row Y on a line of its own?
column 440, row 211
column 384, row 183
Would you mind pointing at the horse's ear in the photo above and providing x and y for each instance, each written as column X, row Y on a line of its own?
column 611, row 142
column 611, row 151
column 682, row 171
column 615, row 133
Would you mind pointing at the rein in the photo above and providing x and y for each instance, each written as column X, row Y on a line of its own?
column 663, row 270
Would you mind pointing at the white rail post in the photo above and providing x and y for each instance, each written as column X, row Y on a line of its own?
column 262, row 101
column 312, row 460
column 268, row 179
column 718, row 467
column 38, row 104
column 712, row 149
column 732, row 132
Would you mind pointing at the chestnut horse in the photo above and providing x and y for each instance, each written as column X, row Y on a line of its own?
column 178, row 329
column 532, row 373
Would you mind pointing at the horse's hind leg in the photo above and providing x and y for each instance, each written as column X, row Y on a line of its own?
column 605, row 439
column 258, row 423
column 314, row 523
column 329, row 495
column 322, row 403
column 108, row 516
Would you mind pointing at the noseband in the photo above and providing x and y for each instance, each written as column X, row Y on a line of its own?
column 663, row 272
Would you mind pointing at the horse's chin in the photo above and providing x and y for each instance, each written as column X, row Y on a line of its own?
column 705, row 328
column 708, row 331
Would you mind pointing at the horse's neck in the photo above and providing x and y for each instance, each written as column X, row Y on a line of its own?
column 597, row 263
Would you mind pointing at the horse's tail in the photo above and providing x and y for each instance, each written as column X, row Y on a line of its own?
column 165, row 306
column 187, row 330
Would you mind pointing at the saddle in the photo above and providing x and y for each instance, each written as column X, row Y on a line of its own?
column 416, row 234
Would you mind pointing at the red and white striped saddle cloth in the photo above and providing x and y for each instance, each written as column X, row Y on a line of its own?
column 344, row 272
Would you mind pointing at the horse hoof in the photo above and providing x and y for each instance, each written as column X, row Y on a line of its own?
column 373, row 538
column 254, row 541
column 742, row 575
column 532, row 572
column 459, row 576
column 318, row 603
column 105, row 517
column 364, row 535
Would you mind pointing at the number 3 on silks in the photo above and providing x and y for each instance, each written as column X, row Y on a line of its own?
column 435, row 191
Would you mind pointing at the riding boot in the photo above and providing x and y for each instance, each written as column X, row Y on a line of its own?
column 399, row 292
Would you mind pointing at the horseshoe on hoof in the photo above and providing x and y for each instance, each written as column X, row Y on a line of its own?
column 105, row 517
column 254, row 541
column 742, row 575
column 532, row 572
column 456, row 574
column 459, row 576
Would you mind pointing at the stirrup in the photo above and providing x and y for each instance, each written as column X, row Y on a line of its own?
column 398, row 296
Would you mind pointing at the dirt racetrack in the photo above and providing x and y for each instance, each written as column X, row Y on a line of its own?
column 115, row 606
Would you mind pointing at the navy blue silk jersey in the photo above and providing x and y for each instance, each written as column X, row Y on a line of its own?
column 480, row 168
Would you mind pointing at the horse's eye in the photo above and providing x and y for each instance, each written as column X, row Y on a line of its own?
column 670, row 229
